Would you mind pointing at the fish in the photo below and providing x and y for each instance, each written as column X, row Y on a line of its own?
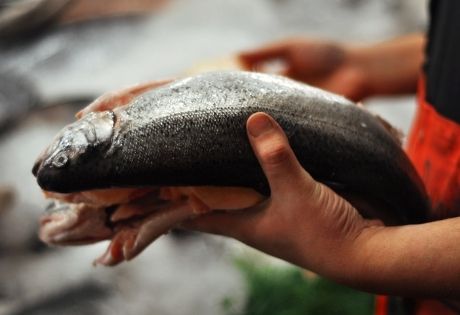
column 190, row 132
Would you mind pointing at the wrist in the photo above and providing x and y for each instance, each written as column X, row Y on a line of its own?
column 350, row 264
column 360, row 258
column 337, row 234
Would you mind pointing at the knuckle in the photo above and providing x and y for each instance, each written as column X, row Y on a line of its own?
column 276, row 155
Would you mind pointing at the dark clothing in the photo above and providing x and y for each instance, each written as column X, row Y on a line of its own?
column 434, row 142
column 442, row 67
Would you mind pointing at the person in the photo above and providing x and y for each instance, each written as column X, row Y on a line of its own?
column 306, row 223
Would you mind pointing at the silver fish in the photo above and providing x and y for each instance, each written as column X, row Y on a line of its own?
column 191, row 132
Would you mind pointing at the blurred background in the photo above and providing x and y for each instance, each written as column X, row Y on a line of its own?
column 58, row 55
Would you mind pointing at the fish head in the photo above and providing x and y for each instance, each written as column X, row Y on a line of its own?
column 74, row 152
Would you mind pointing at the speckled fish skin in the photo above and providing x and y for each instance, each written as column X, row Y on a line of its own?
column 192, row 132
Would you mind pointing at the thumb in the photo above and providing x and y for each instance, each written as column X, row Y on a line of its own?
column 279, row 163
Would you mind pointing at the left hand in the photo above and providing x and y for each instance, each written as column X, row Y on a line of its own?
column 331, row 66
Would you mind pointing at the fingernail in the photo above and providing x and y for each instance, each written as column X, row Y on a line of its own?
column 259, row 125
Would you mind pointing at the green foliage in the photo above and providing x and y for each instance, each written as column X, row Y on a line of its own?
column 286, row 291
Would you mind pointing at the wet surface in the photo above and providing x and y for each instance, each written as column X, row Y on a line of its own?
column 78, row 62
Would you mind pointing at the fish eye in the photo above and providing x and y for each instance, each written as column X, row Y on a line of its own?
column 60, row 160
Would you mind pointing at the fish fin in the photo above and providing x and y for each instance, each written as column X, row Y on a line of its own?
column 133, row 237
column 111, row 100
column 396, row 133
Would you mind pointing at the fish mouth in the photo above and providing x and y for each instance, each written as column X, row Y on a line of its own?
column 49, row 178
column 36, row 167
column 132, row 218
column 39, row 162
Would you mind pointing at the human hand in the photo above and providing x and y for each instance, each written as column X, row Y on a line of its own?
column 327, row 65
column 303, row 221
column 355, row 71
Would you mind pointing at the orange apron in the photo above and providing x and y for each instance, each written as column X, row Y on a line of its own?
column 434, row 148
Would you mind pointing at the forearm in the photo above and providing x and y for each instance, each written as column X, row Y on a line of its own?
column 414, row 260
column 308, row 224
column 390, row 67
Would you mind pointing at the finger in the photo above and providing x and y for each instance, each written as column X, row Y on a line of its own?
column 251, row 59
column 279, row 163
column 320, row 58
column 348, row 82
column 111, row 100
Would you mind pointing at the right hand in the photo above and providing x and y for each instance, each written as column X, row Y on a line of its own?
column 303, row 222
column 327, row 65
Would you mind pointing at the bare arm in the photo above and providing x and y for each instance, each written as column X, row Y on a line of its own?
column 413, row 260
column 391, row 67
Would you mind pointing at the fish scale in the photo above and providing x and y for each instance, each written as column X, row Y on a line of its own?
column 192, row 132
